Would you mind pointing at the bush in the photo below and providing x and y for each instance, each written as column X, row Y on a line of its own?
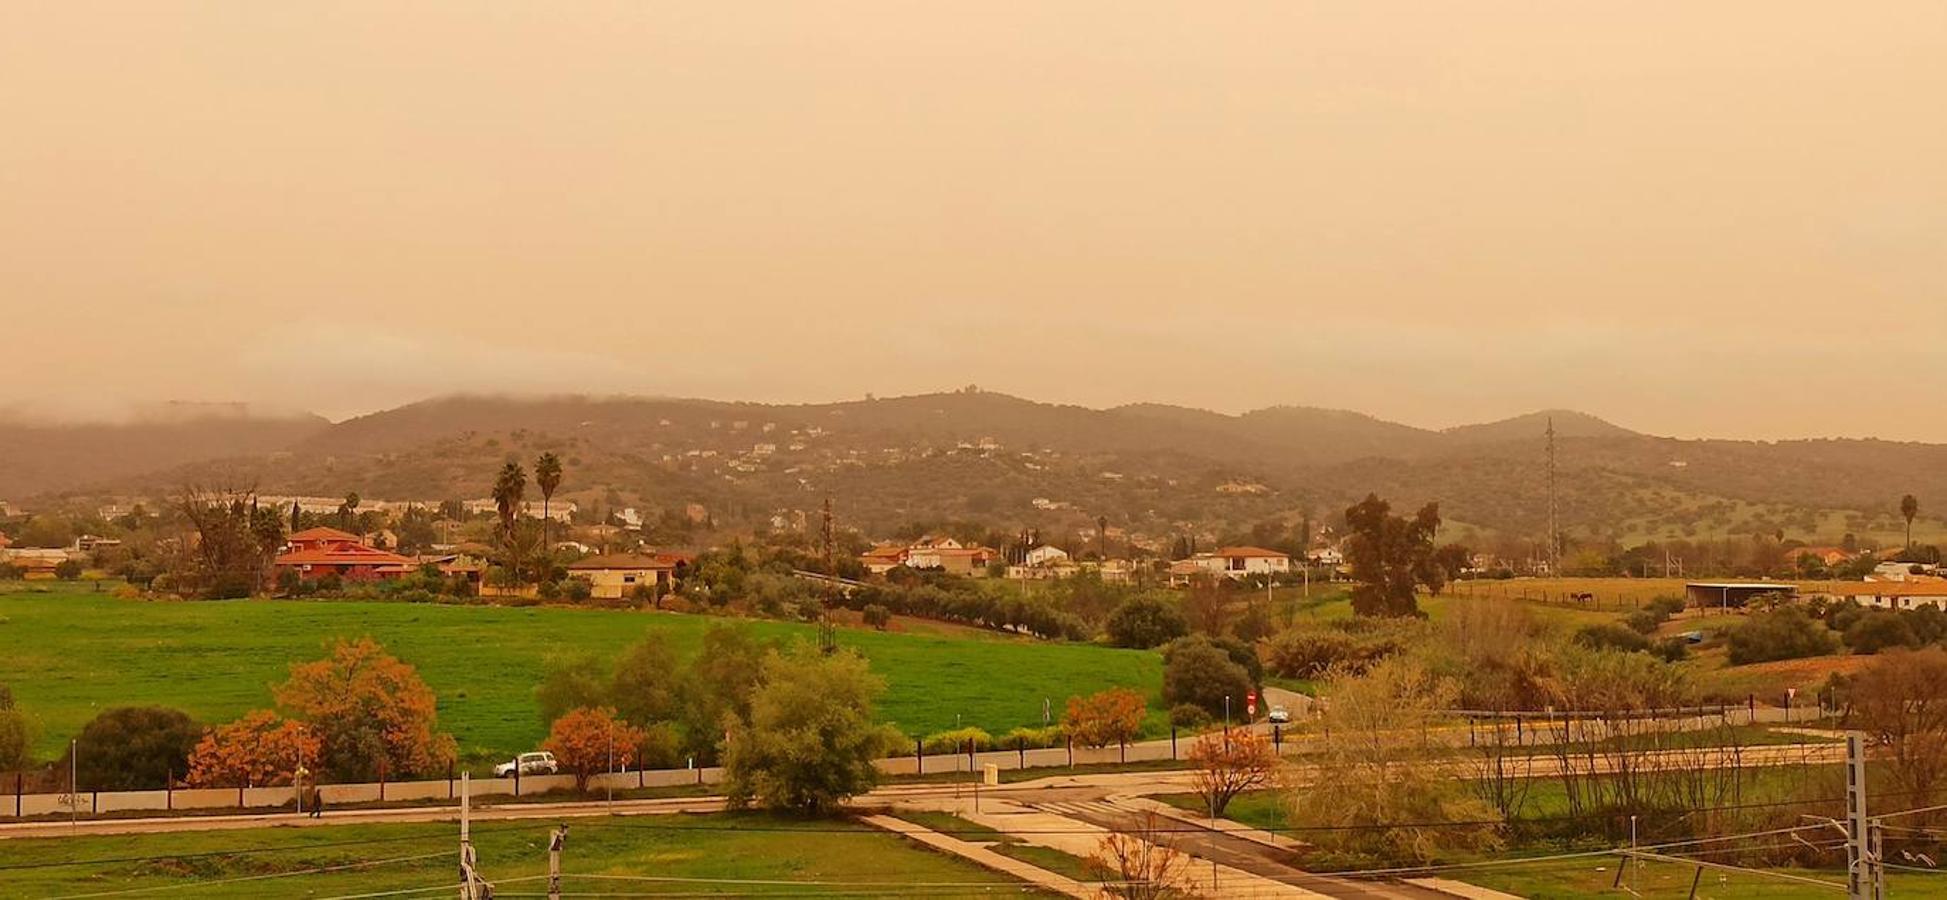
column 1032, row 738
column 132, row 748
column 1144, row 622
column 1200, row 673
column 955, row 741
column 877, row 616
column 577, row 589
column 1673, row 649
column 1610, row 636
column 1189, row 716
column 1665, row 606
column 67, row 569
column 1643, row 621
column 1783, row 633
column 548, row 590
column 1880, row 630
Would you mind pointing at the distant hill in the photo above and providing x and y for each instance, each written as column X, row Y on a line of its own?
column 50, row 458
column 1007, row 461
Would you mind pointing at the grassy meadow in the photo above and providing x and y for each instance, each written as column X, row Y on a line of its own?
column 70, row 653
column 690, row 851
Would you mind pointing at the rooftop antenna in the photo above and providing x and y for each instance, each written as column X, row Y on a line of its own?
column 827, row 634
column 1554, row 535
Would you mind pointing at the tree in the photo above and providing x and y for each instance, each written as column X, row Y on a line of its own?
column 719, row 685
column 590, row 740
column 16, row 733
column 369, row 711
column 570, row 683
column 67, row 569
column 1901, row 698
column 1783, row 633
column 1145, row 621
column 258, row 750
column 1200, row 672
column 134, row 748
column 1114, row 716
column 1141, row 862
column 1909, row 508
column 547, row 476
column 236, row 540
column 348, row 512
column 1389, row 556
column 1207, row 605
column 645, row 688
column 510, row 490
column 1225, row 765
column 810, row 741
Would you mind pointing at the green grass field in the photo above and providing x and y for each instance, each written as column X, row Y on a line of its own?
column 72, row 654
column 697, row 854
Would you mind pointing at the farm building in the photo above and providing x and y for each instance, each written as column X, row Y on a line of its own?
column 1733, row 594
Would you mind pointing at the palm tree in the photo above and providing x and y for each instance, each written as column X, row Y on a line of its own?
column 1909, row 507
column 547, row 474
column 510, row 489
column 348, row 510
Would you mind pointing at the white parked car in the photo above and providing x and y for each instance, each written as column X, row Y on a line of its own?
column 1278, row 716
column 541, row 763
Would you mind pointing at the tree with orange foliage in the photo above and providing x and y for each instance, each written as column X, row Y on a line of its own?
column 371, row 712
column 1112, row 716
column 261, row 749
column 590, row 740
column 1227, row 765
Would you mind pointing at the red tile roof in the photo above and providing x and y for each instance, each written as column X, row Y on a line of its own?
column 322, row 533
column 1251, row 551
column 352, row 555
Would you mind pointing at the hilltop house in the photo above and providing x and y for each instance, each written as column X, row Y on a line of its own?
column 315, row 552
column 1044, row 555
column 955, row 560
column 883, row 558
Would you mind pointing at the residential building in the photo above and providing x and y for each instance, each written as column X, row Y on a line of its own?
column 316, row 552
column 1044, row 555
column 616, row 575
column 883, row 558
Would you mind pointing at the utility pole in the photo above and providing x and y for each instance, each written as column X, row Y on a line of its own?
column 555, row 840
column 1865, row 879
column 472, row 886
column 1554, row 541
column 827, row 634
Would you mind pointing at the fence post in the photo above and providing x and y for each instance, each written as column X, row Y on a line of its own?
column 169, row 791
column 1751, row 704
column 94, row 802
column 382, row 777
column 1172, row 742
column 19, row 779
column 1277, row 737
column 449, row 781
column 517, row 779
column 919, row 757
column 1021, row 750
column 1071, row 751
column 1125, row 750
column 970, row 755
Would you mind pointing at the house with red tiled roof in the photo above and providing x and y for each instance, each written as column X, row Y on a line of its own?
column 316, row 552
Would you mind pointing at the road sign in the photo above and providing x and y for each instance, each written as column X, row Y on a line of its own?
column 1250, row 704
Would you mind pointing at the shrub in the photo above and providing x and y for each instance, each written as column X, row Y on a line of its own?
column 955, row 741
column 1880, row 630
column 1610, row 636
column 1643, row 621
column 1666, row 606
column 1144, row 622
column 1104, row 718
column 548, row 590
column 809, row 741
column 577, row 589
column 877, row 616
column 1032, row 738
column 1189, row 716
column 1198, row 672
column 67, row 569
column 1783, row 633
column 132, row 748
column 1673, row 649
column 1309, row 652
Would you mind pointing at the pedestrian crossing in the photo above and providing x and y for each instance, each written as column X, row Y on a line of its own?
column 1081, row 808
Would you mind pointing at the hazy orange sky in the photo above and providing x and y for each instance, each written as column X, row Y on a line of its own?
column 1694, row 219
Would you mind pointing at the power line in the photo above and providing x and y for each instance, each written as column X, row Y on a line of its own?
column 265, row 877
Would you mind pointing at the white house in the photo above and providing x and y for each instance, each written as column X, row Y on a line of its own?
column 1326, row 556
column 1045, row 555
